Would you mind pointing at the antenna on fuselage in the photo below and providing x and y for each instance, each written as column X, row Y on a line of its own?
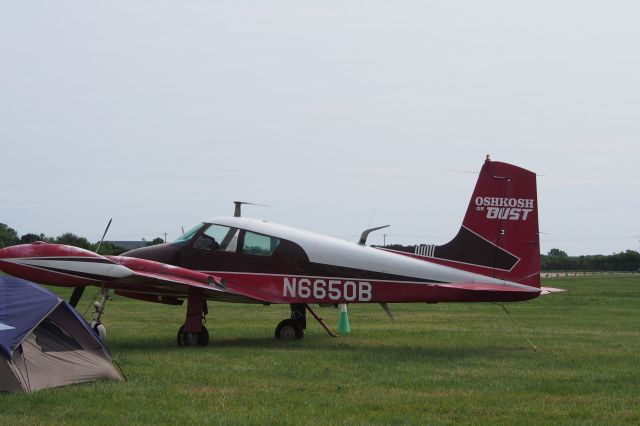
column 366, row 232
column 237, row 212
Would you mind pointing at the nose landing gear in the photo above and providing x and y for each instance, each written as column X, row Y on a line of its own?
column 99, row 306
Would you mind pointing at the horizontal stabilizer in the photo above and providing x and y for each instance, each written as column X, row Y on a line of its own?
column 485, row 292
column 490, row 287
column 549, row 290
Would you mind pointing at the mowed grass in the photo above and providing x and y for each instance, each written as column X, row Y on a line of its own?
column 439, row 364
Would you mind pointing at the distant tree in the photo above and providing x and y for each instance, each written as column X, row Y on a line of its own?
column 108, row 249
column 557, row 253
column 8, row 236
column 558, row 260
column 32, row 238
column 155, row 241
column 628, row 260
column 73, row 240
column 398, row 247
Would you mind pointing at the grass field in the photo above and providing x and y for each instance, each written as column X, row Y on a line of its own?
column 439, row 364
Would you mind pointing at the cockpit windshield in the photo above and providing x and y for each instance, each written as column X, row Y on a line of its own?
column 218, row 238
column 189, row 234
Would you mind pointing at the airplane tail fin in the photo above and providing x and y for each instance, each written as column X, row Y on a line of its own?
column 499, row 234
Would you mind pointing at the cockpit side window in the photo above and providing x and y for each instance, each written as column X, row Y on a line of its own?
column 218, row 238
column 259, row 245
column 232, row 244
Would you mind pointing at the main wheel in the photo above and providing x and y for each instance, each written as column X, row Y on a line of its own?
column 193, row 339
column 288, row 330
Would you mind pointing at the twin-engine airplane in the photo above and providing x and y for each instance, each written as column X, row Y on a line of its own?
column 495, row 257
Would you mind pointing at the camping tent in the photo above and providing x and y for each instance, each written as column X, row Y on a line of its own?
column 44, row 342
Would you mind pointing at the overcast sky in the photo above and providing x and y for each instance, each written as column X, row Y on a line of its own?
column 338, row 114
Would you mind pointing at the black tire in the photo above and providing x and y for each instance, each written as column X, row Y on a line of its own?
column 288, row 330
column 193, row 339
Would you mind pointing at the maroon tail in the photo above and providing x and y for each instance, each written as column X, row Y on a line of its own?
column 499, row 234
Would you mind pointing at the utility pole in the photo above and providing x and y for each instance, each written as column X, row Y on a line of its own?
column 384, row 239
column 165, row 237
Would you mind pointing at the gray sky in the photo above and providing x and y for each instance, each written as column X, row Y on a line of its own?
column 161, row 113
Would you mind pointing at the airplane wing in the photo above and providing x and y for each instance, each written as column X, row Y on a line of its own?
column 164, row 282
column 68, row 266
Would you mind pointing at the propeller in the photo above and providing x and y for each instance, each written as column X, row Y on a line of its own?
column 79, row 291
column 104, row 235
column 76, row 295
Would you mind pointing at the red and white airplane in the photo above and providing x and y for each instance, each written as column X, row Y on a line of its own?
column 495, row 257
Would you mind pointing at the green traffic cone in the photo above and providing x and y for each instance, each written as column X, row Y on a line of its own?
column 343, row 325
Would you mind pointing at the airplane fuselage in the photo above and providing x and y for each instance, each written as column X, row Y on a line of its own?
column 305, row 267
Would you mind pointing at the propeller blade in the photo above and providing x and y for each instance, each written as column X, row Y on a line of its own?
column 103, row 235
column 75, row 296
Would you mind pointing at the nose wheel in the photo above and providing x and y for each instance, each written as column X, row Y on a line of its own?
column 96, row 324
column 100, row 330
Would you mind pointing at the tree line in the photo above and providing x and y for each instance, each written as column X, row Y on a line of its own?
column 558, row 260
column 9, row 237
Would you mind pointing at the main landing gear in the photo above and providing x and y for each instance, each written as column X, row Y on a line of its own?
column 293, row 328
column 193, row 332
column 189, row 338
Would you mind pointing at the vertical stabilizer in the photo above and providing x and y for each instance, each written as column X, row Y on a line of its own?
column 499, row 234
